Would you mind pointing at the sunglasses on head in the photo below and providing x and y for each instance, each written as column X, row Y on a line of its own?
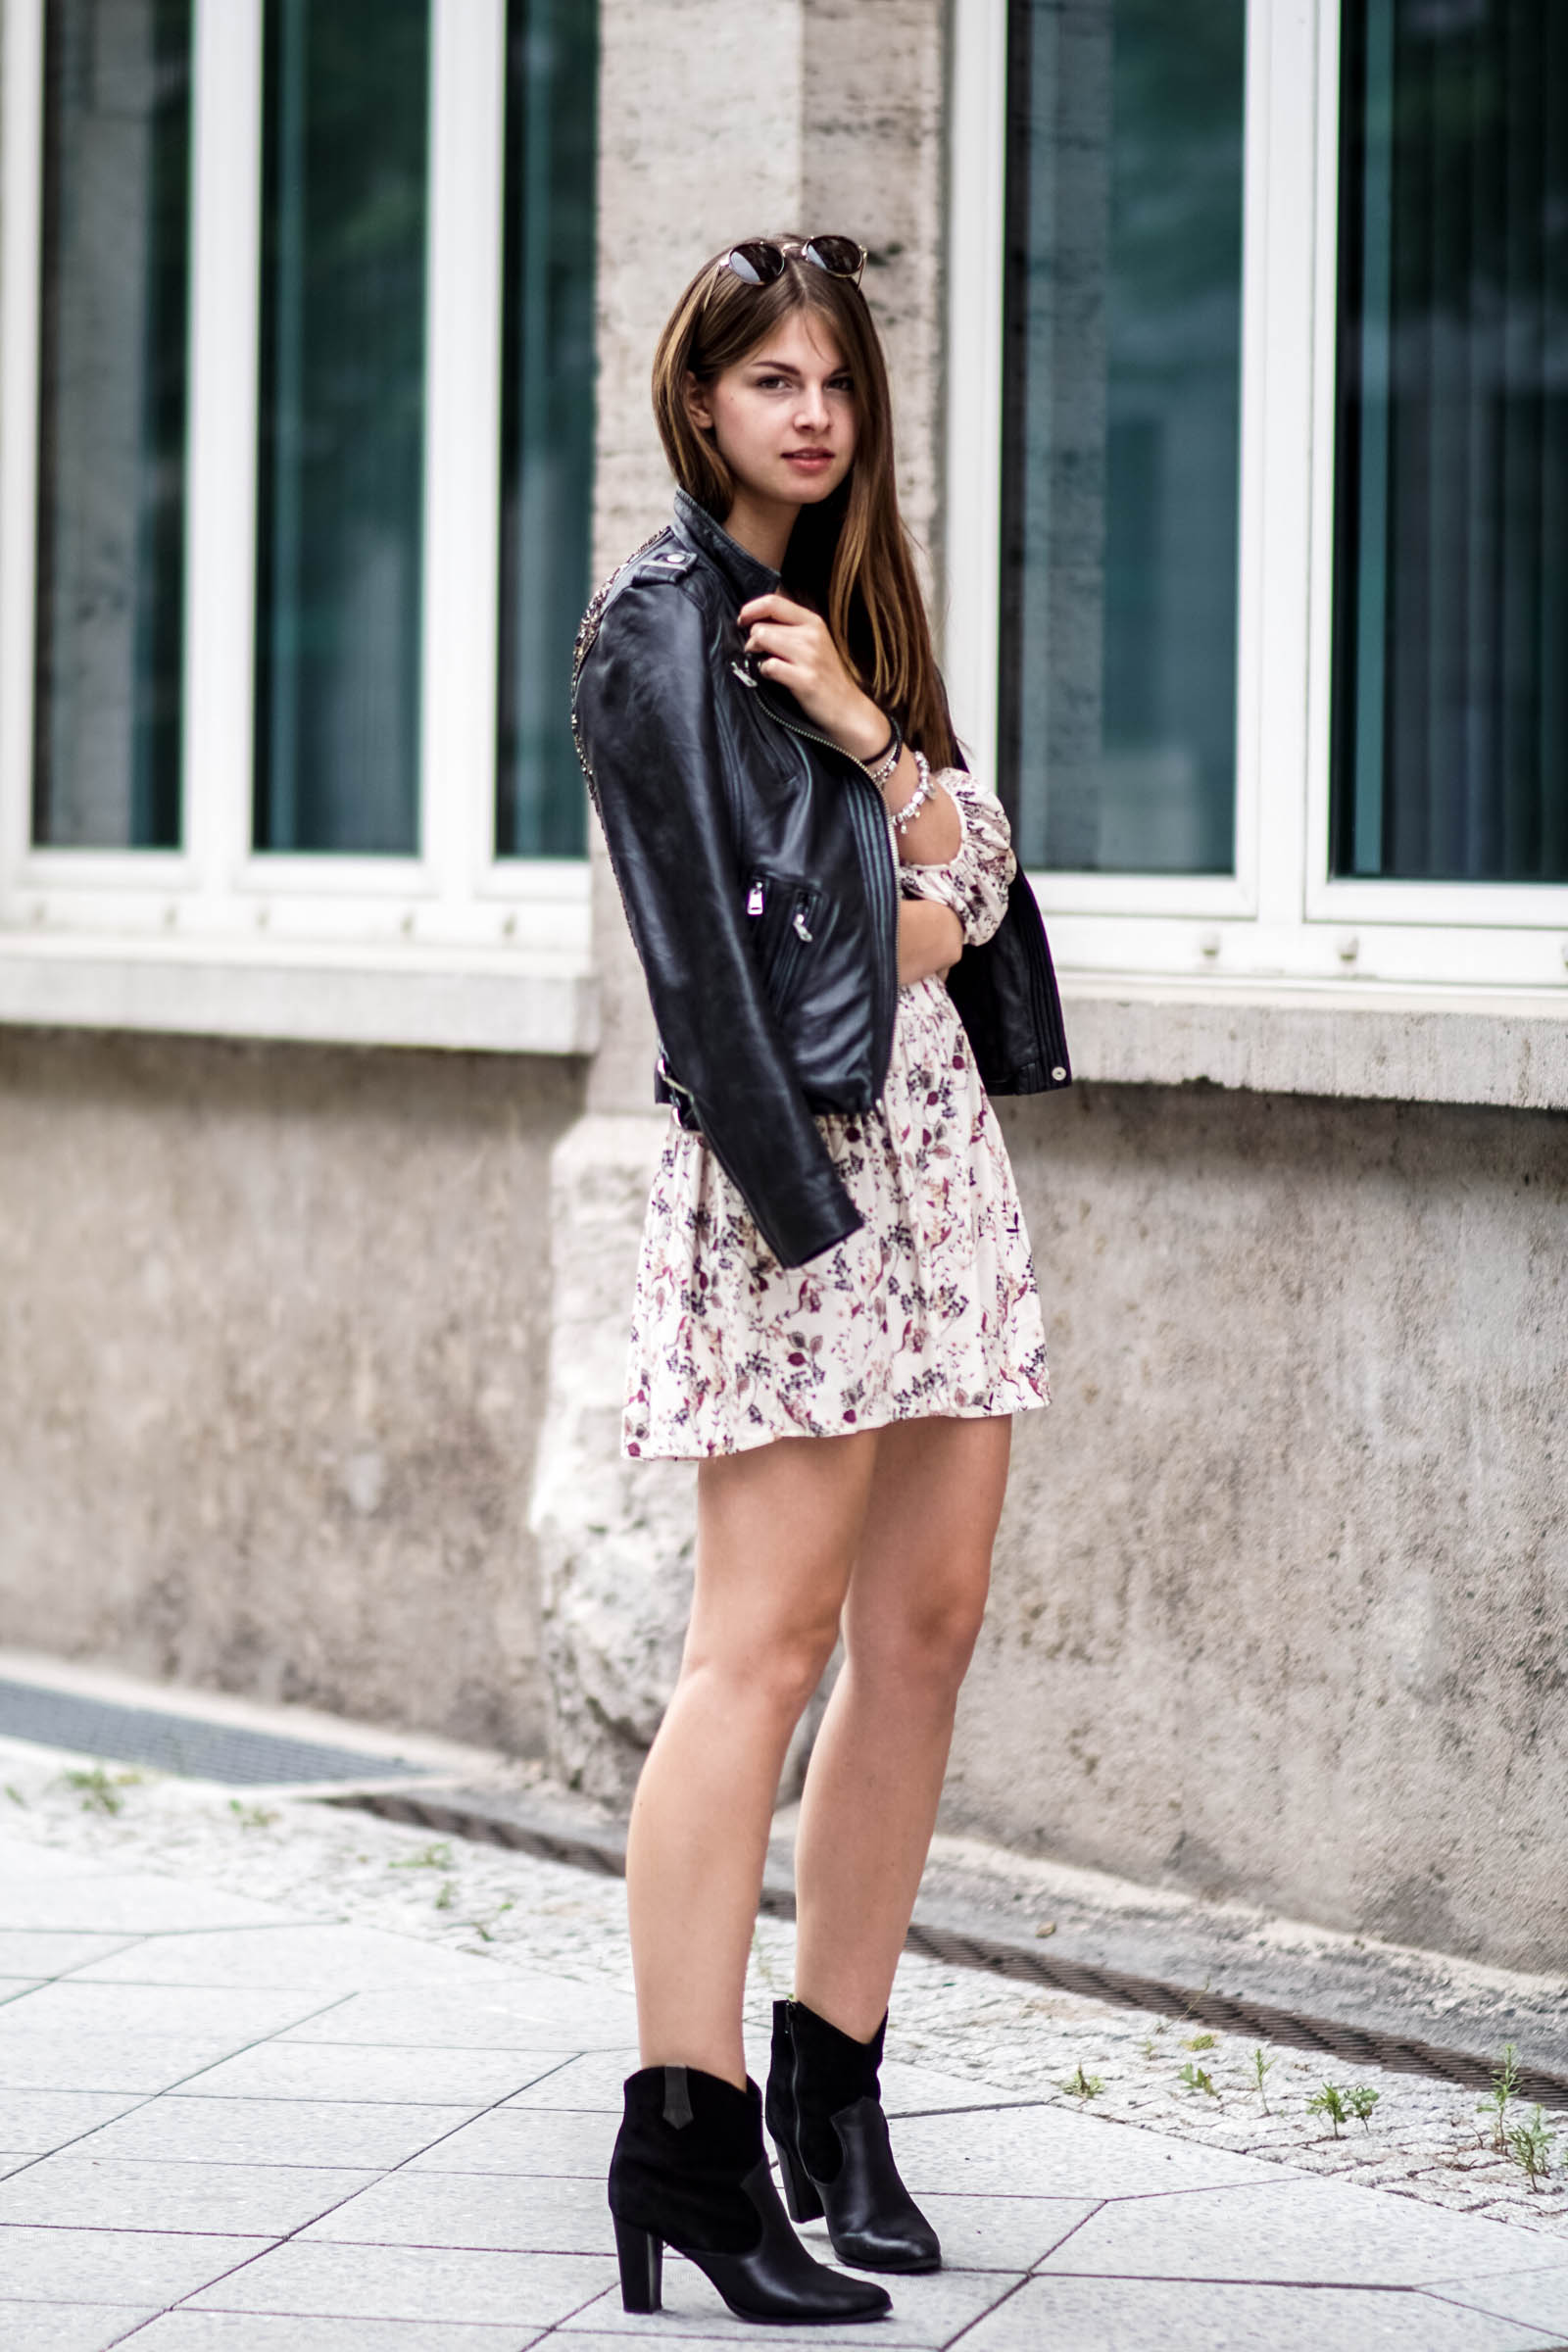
column 761, row 261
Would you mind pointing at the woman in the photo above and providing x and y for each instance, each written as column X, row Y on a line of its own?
column 836, row 1312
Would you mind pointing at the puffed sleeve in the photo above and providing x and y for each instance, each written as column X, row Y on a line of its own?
column 974, row 882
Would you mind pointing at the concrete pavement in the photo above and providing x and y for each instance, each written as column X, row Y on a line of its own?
column 230, row 2123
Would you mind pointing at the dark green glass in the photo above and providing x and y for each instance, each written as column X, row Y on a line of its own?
column 110, row 577
column 1121, row 433
column 1450, row 651
column 547, row 433
column 340, row 541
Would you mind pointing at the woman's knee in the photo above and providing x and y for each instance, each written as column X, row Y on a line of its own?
column 925, row 1644
column 774, row 1672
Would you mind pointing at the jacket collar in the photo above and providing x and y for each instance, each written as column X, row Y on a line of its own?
column 742, row 571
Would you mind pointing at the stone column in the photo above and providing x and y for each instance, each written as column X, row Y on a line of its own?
column 719, row 119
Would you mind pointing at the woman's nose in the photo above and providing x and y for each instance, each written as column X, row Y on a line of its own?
column 812, row 414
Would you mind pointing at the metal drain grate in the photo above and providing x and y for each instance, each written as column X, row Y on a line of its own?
column 183, row 1744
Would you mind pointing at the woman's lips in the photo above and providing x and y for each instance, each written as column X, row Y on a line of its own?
column 810, row 458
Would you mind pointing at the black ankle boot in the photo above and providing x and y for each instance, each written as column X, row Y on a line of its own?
column 689, row 2171
column 824, row 2110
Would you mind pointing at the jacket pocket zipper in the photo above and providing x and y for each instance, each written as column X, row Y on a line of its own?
column 781, row 955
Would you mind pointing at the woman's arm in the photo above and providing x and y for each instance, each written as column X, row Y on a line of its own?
column 797, row 649
column 930, row 939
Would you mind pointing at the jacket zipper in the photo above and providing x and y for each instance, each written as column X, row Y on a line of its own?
column 798, row 935
column 873, row 841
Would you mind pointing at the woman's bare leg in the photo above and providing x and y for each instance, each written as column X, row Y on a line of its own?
column 913, row 1609
column 778, row 1531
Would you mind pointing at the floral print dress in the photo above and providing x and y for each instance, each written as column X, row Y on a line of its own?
column 929, row 1307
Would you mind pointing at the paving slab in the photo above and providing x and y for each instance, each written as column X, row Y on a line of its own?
column 593, row 2081
column 412, row 2282
column 1540, row 2297
column 22, row 1858
column 76, row 2005
column 1100, row 2315
column 181, row 2130
column 1044, row 2151
column 909, row 2089
column 251, row 2200
column 472, row 2209
column 1316, row 2233
column 985, row 2233
column 89, row 2266
column 882, row 2334
column 66, row 2326
column 131, row 1903
column 501, row 2011
column 927, row 2312
column 336, row 1958
column 263, row 2331
column 106, row 2063
column 51, row 1951
column 360, row 2071
column 525, row 2142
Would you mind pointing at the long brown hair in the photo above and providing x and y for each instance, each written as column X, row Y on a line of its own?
column 849, row 556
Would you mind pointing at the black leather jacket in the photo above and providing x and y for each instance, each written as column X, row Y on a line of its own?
column 762, row 888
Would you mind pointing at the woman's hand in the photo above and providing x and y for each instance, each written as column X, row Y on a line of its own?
column 930, row 939
column 794, row 646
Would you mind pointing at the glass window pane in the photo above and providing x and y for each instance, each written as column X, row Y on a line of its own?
column 342, row 423
column 1122, row 425
column 1451, row 718
column 546, row 443
column 112, row 423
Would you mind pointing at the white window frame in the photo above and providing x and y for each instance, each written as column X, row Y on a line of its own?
column 454, row 946
column 1282, row 928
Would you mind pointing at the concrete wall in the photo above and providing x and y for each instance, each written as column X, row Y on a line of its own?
column 271, row 1359
column 1282, row 1584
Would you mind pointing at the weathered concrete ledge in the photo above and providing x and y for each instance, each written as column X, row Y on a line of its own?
column 1396, row 1046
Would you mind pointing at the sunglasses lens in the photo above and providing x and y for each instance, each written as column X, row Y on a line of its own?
column 757, row 261
column 840, row 257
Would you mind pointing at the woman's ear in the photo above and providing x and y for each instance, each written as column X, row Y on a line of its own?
column 699, row 407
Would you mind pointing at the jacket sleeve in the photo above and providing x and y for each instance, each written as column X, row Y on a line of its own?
column 648, row 725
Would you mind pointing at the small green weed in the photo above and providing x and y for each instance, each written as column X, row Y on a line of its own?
column 1195, row 2078
column 1505, row 2089
column 1080, row 2086
column 100, row 1792
column 437, row 1856
column 1199, row 2041
column 446, row 1894
column 1329, row 2099
column 16, row 1796
column 1362, row 2099
column 1531, row 2145
column 1262, row 2068
column 252, row 1817
column 482, row 1927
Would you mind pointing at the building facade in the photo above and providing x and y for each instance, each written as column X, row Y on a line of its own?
column 1230, row 347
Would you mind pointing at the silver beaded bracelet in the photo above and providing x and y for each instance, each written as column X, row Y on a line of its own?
column 881, row 767
column 919, row 796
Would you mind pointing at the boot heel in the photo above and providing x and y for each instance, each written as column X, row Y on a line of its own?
column 801, row 2199
column 641, row 2256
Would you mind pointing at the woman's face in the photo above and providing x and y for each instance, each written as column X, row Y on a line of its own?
column 783, row 418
